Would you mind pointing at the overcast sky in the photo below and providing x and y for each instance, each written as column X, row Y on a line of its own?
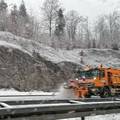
column 90, row 8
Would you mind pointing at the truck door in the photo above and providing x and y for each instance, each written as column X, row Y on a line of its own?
column 109, row 78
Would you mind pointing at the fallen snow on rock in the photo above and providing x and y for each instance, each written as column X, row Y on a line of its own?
column 10, row 45
column 92, row 57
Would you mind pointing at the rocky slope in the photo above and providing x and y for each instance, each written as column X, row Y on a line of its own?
column 24, row 72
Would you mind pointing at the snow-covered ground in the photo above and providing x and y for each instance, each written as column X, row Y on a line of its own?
column 99, row 117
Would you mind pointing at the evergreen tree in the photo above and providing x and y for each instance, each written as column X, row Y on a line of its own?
column 24, row 21
column 14, row 13
column 22, row 9
column 3, row 15
column 3, row 5
column 60, row 23
column 14, row 20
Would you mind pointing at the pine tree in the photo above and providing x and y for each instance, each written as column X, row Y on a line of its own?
column 3, row 15
column 14, row 13
column 14, row 20
column 60, row 23
column 22, row 9
column 3, row 5
column 24, row 21
column 59, row 29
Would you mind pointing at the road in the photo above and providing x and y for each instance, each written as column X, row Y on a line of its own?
column 14, row 104
column 49, row 107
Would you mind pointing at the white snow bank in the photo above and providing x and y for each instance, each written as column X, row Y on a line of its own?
column 11, row 92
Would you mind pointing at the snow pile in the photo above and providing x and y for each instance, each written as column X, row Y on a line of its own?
column 12, row 92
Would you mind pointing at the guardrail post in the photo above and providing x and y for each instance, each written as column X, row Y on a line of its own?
column 82, row 118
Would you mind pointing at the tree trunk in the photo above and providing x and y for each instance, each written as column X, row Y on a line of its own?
column 50, row 28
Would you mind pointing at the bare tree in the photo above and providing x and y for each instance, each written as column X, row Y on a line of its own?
column 114, row 28
column 50, row 8
column 102, row 32
column 84, row 34
column 87, row 33
column 72, row 21
column 108, row 30
column 34, row 28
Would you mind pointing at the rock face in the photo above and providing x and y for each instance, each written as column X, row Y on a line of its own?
column 70, row 69
column 23, row 68
column 24, row 72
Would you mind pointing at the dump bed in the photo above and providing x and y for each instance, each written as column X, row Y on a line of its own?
column 115, row 77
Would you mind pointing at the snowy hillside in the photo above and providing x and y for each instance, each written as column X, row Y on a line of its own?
column 93, row 57
column 28, row 63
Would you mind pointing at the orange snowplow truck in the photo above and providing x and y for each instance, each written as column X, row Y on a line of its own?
column 100, row 81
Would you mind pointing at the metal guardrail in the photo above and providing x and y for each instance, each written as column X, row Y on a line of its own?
column 58, row 109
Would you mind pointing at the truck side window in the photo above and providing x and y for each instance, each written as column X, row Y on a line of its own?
column 102, row 74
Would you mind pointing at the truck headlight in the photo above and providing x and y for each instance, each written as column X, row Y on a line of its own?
column 76, row 78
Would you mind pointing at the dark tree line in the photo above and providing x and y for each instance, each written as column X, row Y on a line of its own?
column 17, row 21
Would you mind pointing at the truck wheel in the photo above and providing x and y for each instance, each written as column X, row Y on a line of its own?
column 88, row 96
column 105, row 92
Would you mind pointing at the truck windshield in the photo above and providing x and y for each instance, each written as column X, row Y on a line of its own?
column 89, row 73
